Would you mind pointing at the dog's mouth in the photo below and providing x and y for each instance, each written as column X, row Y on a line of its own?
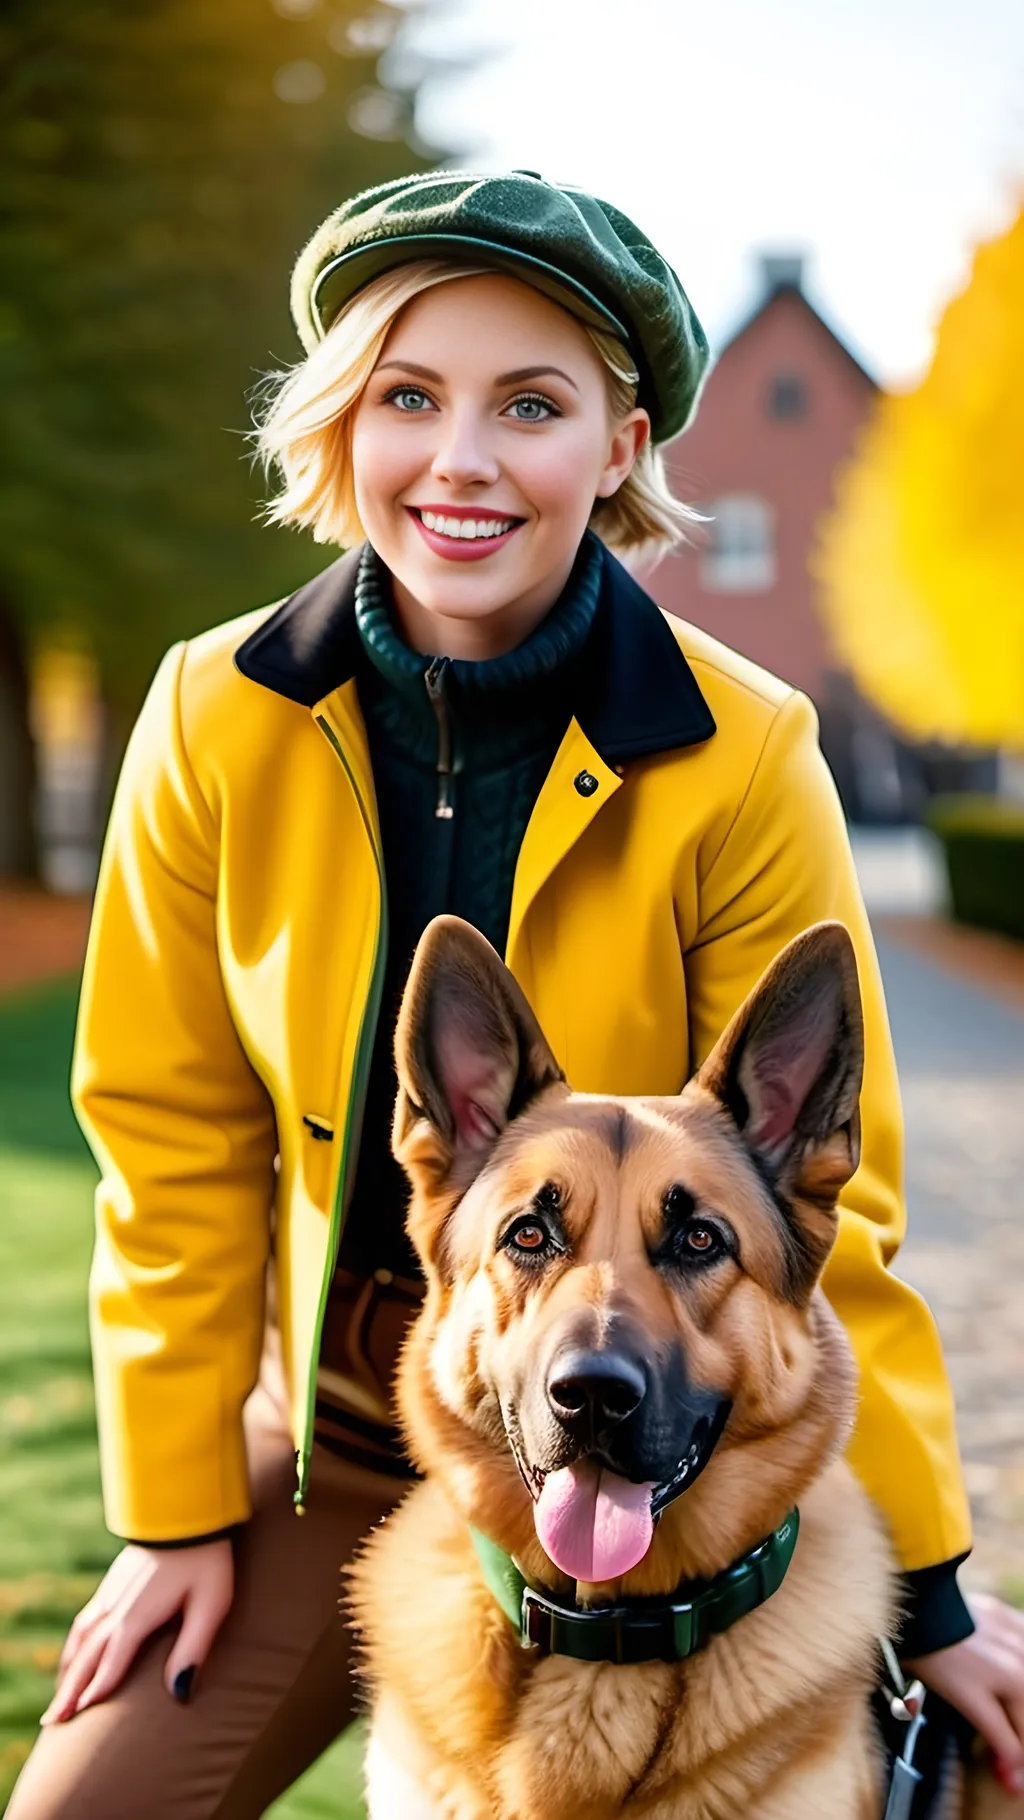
column 595, row 1524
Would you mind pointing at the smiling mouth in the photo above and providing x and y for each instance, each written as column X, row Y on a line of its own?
column 465, row 528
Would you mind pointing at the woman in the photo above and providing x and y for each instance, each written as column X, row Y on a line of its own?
column 477, row 711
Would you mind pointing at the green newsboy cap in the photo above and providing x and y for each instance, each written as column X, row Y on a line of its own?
column 584, row 253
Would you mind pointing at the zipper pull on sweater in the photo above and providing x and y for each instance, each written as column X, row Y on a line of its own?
column 434, row 678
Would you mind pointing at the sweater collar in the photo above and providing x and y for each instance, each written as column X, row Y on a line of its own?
column 498, row 709
column 635, row 693
column 533, row 672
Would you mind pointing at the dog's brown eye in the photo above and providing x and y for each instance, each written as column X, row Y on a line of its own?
column 700, row 1239
column 532, row 1241
column 691, row 1242
column 528, row 1238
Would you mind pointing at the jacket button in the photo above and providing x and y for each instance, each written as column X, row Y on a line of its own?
column 586, row 783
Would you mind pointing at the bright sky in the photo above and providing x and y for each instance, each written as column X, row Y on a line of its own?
column 883, row 137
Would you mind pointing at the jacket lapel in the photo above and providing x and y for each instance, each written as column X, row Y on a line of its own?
column 307, row 646
column 638, row 694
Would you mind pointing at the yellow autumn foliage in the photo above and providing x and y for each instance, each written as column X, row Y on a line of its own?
column 921, row 564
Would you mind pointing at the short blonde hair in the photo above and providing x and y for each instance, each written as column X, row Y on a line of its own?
column 304, row 424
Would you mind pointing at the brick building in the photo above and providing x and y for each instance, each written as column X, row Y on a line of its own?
column 780, row 413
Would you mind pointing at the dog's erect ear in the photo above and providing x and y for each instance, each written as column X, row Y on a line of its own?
column 469, row 1054
column 788, row 1068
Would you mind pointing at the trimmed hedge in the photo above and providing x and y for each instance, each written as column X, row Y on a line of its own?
column 983, row 840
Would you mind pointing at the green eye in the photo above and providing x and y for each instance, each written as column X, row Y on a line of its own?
column 533, row 407
column 408, row 398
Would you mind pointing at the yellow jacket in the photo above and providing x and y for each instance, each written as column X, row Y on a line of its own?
column 687, row 829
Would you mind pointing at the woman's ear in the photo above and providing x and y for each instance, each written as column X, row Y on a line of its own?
column 469, row 1054
column 629, row 437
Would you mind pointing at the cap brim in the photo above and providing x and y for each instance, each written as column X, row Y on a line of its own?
column 344, row 277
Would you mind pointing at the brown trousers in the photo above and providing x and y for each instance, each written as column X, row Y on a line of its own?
column 276, row 1688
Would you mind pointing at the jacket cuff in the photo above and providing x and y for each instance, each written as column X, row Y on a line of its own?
column 214, row 1535
column 935, row 1613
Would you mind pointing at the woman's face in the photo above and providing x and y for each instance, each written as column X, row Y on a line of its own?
column 480, row 444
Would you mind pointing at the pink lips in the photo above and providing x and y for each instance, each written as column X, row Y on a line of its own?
column 457, row 549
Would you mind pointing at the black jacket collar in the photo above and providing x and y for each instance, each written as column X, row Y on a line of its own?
column 638, row 694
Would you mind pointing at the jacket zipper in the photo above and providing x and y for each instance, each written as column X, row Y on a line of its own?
column 353, row 1120
column 434, row 678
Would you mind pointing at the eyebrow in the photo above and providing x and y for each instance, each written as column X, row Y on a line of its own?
column 514, row 378
column 522, row 373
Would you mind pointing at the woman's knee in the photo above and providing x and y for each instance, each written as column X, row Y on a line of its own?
column 133, row 1754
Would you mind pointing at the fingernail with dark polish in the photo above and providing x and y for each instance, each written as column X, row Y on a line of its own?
column 181, row 1686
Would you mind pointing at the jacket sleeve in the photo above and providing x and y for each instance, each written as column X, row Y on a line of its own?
column 183, row 1133
column 784, row 864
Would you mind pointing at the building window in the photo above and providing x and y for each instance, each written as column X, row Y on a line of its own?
column 787, row 396
column 740, row 558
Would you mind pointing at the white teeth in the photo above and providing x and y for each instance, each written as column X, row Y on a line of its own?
column 466, row 527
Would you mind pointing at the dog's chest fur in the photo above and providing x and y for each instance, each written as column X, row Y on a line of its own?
column 769, row 1721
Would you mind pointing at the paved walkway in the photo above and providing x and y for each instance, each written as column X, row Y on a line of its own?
column 960, row 1047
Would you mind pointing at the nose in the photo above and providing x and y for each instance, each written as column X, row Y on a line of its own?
column 463, row 456
column 604, row 1386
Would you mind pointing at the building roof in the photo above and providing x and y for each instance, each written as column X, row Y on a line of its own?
column 782, row 274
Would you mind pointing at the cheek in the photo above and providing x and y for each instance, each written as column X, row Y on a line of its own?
column 386, row 458
column 558, row 476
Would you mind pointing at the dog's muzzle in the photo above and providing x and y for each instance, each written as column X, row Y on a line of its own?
column 644, row 1420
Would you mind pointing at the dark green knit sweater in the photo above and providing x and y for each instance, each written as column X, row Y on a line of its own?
column 494, row 727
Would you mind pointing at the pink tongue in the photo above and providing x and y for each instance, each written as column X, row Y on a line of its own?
column 592, row 1524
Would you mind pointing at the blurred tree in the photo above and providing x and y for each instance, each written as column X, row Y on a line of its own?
column 162, row 163
column 922, row 562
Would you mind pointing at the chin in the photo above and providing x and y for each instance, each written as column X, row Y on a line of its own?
column 466, row 591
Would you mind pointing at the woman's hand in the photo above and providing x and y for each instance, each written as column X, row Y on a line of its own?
column 143, row 1589
column 983, row 1677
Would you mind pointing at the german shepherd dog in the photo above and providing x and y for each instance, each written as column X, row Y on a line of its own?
column 626, row 1375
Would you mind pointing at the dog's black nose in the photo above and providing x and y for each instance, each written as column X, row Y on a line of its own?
column 606, row 1386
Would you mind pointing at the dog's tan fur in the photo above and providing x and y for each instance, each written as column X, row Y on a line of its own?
column 770, row 1721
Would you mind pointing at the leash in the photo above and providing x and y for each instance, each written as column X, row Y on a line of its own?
column 644, row 1630
column 906, row 1703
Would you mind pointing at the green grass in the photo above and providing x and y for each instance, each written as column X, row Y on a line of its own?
column 53, row 1543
